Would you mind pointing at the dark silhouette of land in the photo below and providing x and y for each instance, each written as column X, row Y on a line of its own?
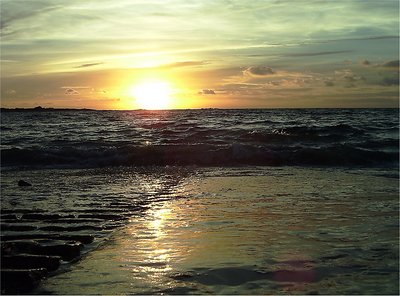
column 40, row 109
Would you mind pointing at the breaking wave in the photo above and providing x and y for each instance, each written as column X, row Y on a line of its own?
column 337, row 137
column 200, row 154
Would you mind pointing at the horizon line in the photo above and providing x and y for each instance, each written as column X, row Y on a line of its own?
column 40, row 108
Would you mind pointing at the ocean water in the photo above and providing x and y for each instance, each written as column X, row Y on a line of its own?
column 212, row 201
column 330, row 137
column 253, row 230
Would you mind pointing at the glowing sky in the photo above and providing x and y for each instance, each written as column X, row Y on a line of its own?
column 230, row 54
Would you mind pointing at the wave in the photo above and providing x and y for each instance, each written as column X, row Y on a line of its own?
column 201, row 137
column 199, row 154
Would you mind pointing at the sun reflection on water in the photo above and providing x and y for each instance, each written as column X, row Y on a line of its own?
column 153, row 250
column 230, row 240
column 160, row 219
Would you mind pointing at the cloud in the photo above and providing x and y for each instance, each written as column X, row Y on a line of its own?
column 10, row 92
column 349, row 85
column 184, row 64
column 388, row 81
column 88, row 65
column 380, row 37
column 310, row 54
column 41, row 30
column 391, row 64
column 367, row 38
column 76, row 87
column 71, row 91
column 365, row 62
column 242, row 88
column 207, row 92
column 347, row 75
column 258, row 71
column 13, row 11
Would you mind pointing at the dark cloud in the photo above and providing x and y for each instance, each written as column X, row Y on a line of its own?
column 12, row 11
column 207, row 92
column 391, row 64
column 383, row 37
column 388, row 81
column 349, row 85
column 370, row 35
column 365, row 63
column 185, row 64
column 233, row 86
column 373, row 38
column 258, row 71
column 88, row 65
column 350, row 77
column 71, row 91
column 310, row 54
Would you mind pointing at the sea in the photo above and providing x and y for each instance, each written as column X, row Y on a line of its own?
column 210, row 137
column 252, row 201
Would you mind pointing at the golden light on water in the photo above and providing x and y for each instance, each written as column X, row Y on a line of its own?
column 160, row 218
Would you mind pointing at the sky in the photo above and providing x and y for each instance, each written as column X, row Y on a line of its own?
column 210, row 54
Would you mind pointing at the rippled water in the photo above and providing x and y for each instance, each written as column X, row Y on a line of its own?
column 343, row 137
column 253, row 231
column 210, row 201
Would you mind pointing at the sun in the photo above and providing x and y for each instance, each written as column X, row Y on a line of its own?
column 152, row 94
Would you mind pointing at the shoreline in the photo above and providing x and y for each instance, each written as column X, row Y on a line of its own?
column 229, row 230
column 46, row 229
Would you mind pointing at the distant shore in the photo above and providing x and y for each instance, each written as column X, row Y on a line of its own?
column 40, row 109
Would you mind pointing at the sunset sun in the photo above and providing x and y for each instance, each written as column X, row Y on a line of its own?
column 152, row 94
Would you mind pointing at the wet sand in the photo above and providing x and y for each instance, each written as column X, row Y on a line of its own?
column 65, row 214
column 249, row 231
